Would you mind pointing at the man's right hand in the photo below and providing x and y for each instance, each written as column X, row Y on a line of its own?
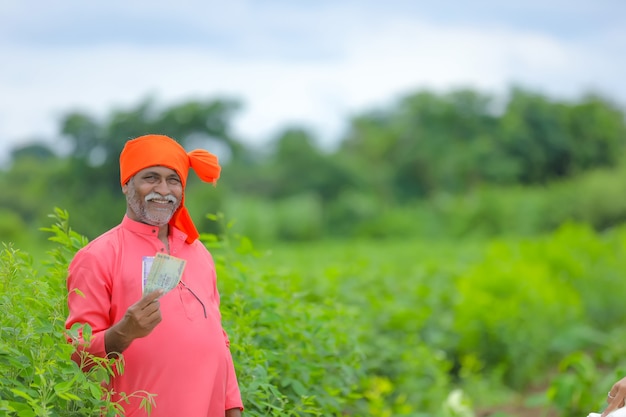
column 140, row 319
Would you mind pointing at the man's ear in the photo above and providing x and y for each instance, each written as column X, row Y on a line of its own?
column 125, row 188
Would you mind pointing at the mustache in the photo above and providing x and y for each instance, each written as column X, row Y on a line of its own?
column 156, row 196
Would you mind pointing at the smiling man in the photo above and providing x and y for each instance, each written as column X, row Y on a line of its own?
column 172, row 344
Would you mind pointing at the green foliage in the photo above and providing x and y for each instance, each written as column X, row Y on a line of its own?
column 298, row 165
column 392, row 301
column 493, row 319
column 294, row 353
column 396, row 328
column 11, row 225
column 427, row 149
column 37, row 376
column 454, row 142
column 573, row 389
column 255, row 217
column 296, row 218
column 567, row 280
column 550, row 139
column 300, row 217
column 425, row 143
column 593, row 198
column 498, row 296
column 583, row 377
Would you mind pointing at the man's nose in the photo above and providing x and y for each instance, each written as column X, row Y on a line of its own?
column 162, row 188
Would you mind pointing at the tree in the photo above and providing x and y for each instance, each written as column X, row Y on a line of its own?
column 551, row 139
column 425, row 143
column 37, row 151
column 297, row 165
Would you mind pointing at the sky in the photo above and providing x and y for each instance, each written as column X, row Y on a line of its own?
column 303, row 63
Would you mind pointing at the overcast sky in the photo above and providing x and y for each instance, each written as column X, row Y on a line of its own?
column 310, row 62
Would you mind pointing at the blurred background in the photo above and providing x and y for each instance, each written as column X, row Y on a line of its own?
column 422, row 204
column 330, row 117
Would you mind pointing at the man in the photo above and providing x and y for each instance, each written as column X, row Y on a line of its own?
column 172, row 344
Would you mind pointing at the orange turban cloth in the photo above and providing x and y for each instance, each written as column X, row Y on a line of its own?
column 152, row 150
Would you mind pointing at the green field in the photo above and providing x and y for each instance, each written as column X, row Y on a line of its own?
column 514, row 324
column 498, row 327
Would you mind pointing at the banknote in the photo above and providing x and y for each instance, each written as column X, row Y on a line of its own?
column 162, row 271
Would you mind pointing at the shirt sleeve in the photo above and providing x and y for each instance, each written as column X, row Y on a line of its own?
column 89, row 302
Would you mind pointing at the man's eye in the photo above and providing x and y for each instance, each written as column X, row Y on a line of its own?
column 174, row 181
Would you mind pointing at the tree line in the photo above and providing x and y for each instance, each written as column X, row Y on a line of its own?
column 425, row 144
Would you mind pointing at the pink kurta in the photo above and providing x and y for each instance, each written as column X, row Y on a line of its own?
column 185, row 360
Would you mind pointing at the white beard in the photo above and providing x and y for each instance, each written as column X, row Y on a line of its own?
column 155, row 216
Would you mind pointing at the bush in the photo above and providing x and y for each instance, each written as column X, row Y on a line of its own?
column 570, row 280
column 358, row 328
column 37, row 376
column 11, row 225
column 295, row 353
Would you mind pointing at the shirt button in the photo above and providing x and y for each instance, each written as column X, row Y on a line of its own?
column 153, row 230
column 162, row 249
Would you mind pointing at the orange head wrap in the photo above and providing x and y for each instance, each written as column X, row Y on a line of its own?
column 152, row 150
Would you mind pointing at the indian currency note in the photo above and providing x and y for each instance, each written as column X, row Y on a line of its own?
column 164, row 272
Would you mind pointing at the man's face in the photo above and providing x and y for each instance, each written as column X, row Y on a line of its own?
column 153, row 195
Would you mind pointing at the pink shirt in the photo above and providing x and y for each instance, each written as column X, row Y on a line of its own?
column 186, row 359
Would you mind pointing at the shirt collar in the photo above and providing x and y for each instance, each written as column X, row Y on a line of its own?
column 147, row 229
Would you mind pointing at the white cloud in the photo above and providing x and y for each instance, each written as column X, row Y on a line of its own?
column 312, row 67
